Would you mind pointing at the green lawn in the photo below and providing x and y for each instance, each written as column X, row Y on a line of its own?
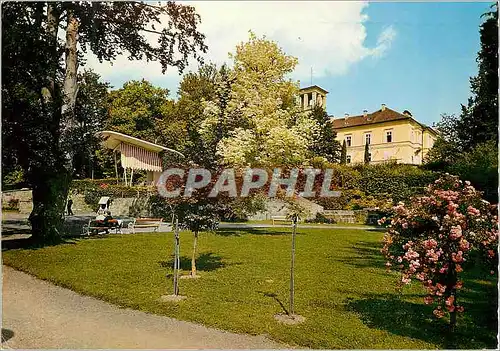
column 269, row 221
column 342, row 287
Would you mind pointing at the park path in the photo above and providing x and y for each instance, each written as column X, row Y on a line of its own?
column 37, row 314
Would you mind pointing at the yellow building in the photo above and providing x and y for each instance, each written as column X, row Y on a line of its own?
column 391, row 136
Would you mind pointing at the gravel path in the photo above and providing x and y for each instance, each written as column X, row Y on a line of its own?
column 37, row 314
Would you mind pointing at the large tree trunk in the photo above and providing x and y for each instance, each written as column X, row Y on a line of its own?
column 70, row 79
column 50, row 186
column 193, row 258
column 49, row 198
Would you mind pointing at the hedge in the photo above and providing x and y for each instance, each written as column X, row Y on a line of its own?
column 93, row 190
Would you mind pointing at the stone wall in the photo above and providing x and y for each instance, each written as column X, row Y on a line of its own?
column 276, row 207
column 24, row 197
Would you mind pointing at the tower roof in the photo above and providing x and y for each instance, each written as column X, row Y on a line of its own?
column 313, row 87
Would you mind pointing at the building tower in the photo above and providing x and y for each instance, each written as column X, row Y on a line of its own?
column 312, row 95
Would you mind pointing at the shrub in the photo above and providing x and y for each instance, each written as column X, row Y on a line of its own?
column 398, row 181
column 433, row 237
column 320, row 218
column 480, row 167
column 93, row 190
column 12, row 205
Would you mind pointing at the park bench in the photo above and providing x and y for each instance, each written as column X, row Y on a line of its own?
column 96, row 226
column 280, row 218
column 145, row 223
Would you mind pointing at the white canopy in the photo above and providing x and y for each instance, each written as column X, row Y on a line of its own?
column 135, row 153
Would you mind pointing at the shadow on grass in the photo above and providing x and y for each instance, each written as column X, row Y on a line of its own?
column 254, row 231
column 364, row 255
column 204, row 262
column 417, row 321
column 275, row 297
column 31, row 244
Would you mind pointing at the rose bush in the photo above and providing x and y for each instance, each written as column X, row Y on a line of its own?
column 431, row 240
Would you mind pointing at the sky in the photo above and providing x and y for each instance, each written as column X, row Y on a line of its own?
column 410, row 56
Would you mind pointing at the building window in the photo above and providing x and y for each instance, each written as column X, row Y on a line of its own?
column 368, row 138
column 388, row 136
column 348, row 140
column 348, row 158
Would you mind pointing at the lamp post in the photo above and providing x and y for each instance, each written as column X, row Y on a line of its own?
column 176, row 257
column 292, row 266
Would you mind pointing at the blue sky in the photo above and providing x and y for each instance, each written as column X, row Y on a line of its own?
column 427, row 68
column 414, row 56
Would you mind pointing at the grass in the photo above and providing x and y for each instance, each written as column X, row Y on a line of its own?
column 326, row 225
column 342, row 287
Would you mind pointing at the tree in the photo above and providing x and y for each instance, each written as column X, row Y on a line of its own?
column 210, row 87
column 480, row 167
column 91, row 112
column 343, row 153
column 198, row 217
column 325, row 144
column 367, row 154
column 479, row 119
column 265, row 125
column 433, row 238
column 136, row 108
column 40, row 88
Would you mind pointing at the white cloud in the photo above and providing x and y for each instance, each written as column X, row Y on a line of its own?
column 328, row 36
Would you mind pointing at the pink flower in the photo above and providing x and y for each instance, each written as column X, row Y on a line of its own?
column 428, row 300
column 459, row 285
column 457, row 257
column 430, row 244
column 464, row 244
column 438, row 312
column 473, row 211
column 455, row 232
column 460, row 309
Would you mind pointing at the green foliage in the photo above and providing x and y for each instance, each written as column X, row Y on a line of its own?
column 325, row 144
column 479, row 119
column 11, row 205
column 367, row 154
column 480, row 167
column 467, row 146
column 343, row 153
column 136, row 107
column 93, row 190
column 40, row 127
column 398, row 182
column 320, row 218
column 91, row 112
column 13, row 178
column 257, row 121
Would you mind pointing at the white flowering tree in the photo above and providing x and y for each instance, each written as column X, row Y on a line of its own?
column 263, row 125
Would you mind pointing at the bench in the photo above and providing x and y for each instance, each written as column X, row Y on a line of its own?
column 280, row 218
column 145, row 223
column 96, row 226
